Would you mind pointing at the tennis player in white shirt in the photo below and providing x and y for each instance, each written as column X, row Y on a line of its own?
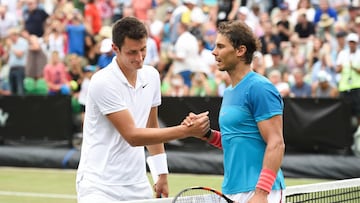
column 121, row 117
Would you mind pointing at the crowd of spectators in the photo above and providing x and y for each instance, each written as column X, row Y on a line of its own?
column 49, row 46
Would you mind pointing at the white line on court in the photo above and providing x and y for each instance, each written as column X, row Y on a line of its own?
column 42, row 195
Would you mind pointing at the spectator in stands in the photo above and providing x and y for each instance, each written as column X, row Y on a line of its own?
column 36, row 58
column 106, row 8
column 128, row 10
column 76, row 30
column 92, row 16
column 300, row 88
column 121, row 113
column 313, row 54
column 326, row 64
column 341, row 42
column 269, row 37
column 117, row 10
column 283, row 25
column 74, row 72
column 264, row 17
column 165, row 44
column 107, row 53
column 7, row 21
column 304, row 29
column 155, row 27
column 152, row 50
column 93, row 48
column 323, row 88
column 163, row 7
column 294, row 57
column 250, row 121
column 18, row 49
column 202, row 86
column 185, row 55
column 152, row 55
column 141, row 7
column 242, row 15
column 277, row 64
column 209, row 38
column 303, row 7
column 276, row 79
column 207, row 58
column 326, row 30
column 324, row 8
column 226, row 10
column 348, row 65
column 56, row 39
column 35, row 18
column 173, row 85
column 56, row 77
column 193, row 17
column 353, row 12
column 12, row 6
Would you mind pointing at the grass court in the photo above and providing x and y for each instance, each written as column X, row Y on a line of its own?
column 34, row 185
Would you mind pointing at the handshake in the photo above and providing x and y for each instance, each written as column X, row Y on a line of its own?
column 197, row 124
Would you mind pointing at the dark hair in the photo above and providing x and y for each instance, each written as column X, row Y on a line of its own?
column 129, row 27
column 239, row 34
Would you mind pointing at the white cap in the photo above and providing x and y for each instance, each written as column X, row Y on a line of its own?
column 352, row 37
column 243, row 10
column 190, row 2
column 323, row 76
column 106, row 45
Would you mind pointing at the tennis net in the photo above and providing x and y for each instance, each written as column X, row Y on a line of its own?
column 339, row 191
column 328, row 192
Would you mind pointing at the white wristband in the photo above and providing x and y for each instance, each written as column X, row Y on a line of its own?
column 157, row 165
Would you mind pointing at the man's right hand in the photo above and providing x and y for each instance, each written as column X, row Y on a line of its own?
column 198, row 124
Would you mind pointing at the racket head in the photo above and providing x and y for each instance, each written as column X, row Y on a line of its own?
column 199, row 194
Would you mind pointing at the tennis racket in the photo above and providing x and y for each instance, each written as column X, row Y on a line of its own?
column 201, row 194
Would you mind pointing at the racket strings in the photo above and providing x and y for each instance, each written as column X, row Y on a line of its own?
column 199, row 196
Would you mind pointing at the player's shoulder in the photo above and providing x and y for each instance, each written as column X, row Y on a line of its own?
column 257, row 78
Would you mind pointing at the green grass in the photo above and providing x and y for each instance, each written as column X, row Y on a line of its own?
column 57, row 181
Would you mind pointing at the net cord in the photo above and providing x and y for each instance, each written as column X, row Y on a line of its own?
column 318, row 187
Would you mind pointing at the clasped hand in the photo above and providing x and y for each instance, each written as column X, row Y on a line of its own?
column 199, row 124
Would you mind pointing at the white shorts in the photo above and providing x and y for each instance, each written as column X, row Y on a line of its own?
column 275, row 196
column 90, row 192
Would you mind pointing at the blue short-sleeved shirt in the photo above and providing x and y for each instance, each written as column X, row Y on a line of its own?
column 252, row 100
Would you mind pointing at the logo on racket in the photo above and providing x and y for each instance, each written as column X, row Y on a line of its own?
column 200, row 194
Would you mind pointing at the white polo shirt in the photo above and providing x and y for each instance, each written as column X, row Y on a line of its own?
column 106, row 157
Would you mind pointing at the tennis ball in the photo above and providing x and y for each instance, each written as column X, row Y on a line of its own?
column 74, row 85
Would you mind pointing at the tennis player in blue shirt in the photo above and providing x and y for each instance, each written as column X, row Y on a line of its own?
column 250, row 120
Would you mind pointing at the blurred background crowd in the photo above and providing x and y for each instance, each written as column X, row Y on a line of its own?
column 52, row 47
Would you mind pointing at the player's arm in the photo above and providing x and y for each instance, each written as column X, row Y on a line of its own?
column 125, row 125
column 158, row 158
column 272, row 132
column 213, row 137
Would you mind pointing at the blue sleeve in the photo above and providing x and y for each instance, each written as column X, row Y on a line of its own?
column 265, row 101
